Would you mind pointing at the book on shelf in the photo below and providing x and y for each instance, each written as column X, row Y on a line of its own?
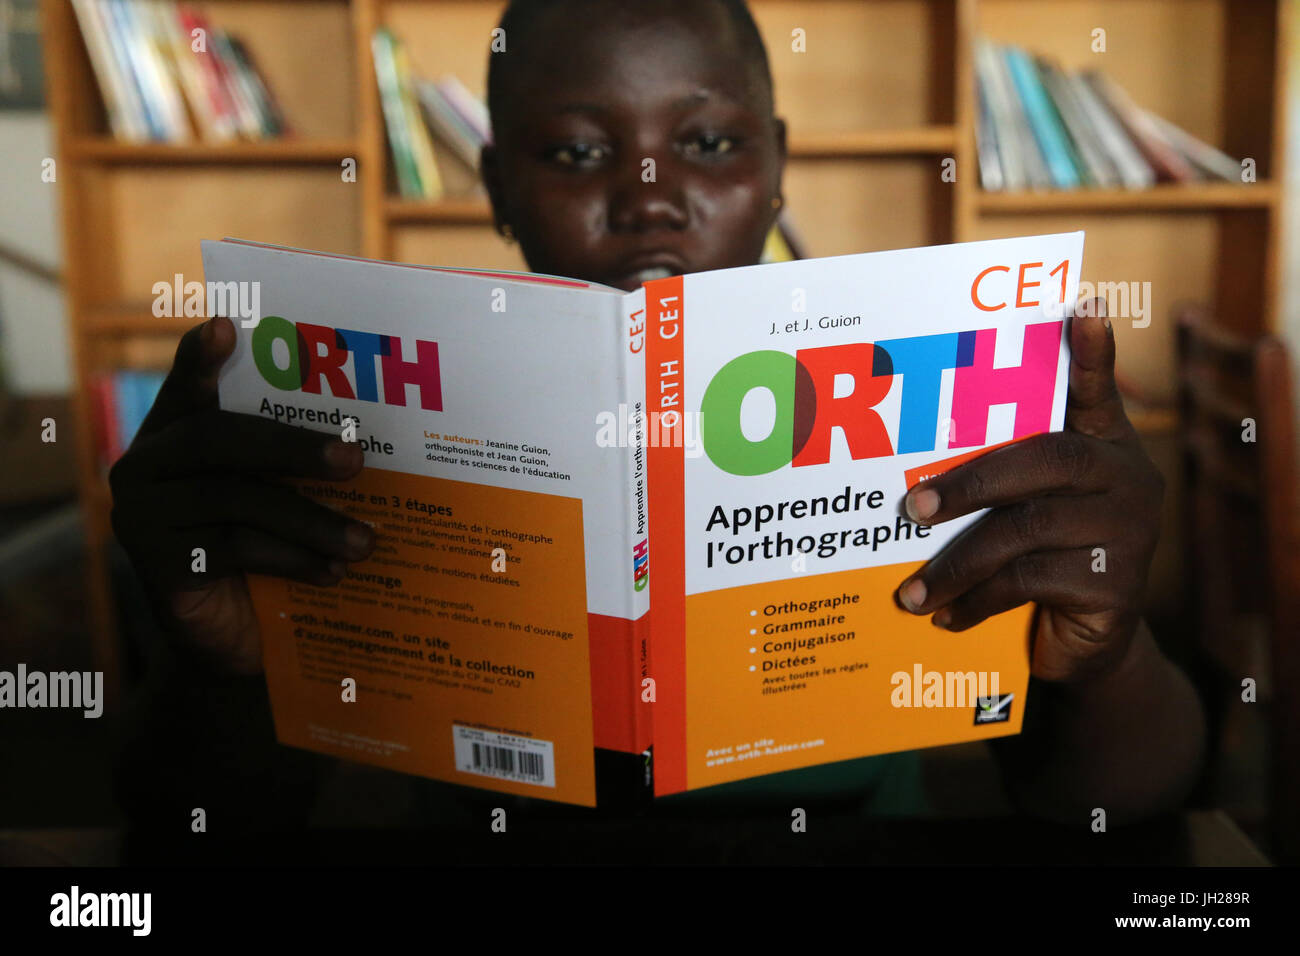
column 166, row 74
column 414, row 164
column 1039, row 126
column 422, row 116
column 120, row 401
column 634, row 542
column 449, row 124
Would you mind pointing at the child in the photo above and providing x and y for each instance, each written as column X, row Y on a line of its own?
column 585, row 91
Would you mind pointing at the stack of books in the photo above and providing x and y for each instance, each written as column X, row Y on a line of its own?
column 167, row 75
column 121, row 400
column 417, row 111
column 1041, row 127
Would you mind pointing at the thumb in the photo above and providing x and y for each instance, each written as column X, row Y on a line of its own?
column 191, row 385
column 1095, row 407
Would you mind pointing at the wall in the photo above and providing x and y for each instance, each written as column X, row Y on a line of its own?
column 33, row 325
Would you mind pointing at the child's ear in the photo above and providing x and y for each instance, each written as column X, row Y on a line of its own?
column 782, row 153
column 490, row 173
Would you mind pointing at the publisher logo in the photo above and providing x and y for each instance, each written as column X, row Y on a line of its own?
column 993, row 710
column 641, row 564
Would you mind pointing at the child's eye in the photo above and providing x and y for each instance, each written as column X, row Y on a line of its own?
column 709, row 143
column 577, row 154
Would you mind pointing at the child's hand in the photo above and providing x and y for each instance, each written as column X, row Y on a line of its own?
column 1055, row 500
column 196, row 477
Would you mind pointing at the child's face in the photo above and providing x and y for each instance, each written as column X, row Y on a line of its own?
column 613, row 90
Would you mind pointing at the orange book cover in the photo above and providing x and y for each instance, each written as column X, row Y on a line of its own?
column 791, row 408
column 496, row 636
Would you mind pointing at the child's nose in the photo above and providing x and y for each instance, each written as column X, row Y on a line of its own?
column 645, row 199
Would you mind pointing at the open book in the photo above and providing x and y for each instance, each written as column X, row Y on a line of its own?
column 660, row 523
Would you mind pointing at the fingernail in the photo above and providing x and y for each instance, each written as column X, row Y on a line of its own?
column 912, row 594
column 358, row 539
column 341, row 454
column 922, row 504
column 1106, row 322
column 942, row 618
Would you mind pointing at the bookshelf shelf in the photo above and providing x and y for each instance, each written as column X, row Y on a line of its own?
column 917, row 141
column 105, row 151
column 1192, row 197
column 133, row 320
column 469, row 211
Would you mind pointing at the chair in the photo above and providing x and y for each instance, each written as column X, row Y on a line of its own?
column 1244, row 543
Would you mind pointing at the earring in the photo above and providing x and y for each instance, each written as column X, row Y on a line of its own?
column 507, row 233
column 777, row 202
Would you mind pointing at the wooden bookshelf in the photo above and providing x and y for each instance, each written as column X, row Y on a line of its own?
column 110, row 151
column 883, row 95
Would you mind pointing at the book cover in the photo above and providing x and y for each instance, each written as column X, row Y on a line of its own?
column 666, row 519
column 493, row 636
column 795, row 405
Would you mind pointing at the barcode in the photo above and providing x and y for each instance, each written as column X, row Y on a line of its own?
column 506, row 760
column 504, row 756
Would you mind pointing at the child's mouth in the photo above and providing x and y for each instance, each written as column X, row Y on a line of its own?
column 650, row 274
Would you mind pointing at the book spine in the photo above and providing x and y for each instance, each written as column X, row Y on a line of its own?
column 1043, row 72
column 189, row 77
column 1212, row 161
column 105, row 415
column 152, row 92
column 123, row 404
column 101, row 60
column 418, row 131
column 250, row 122
column 267, row 103
column 253, row 88
column 1046, row 128
column 471, row 110
column 157, row 68
column 1163, row 158
column 1036, row 173
column 447, row 124
column 1001, row 113
column 1133, row 169
column 1087, row 141
column 117, row 41
column 224, row 121
column 986, row 145
column 635, row 466
column 408, row 177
